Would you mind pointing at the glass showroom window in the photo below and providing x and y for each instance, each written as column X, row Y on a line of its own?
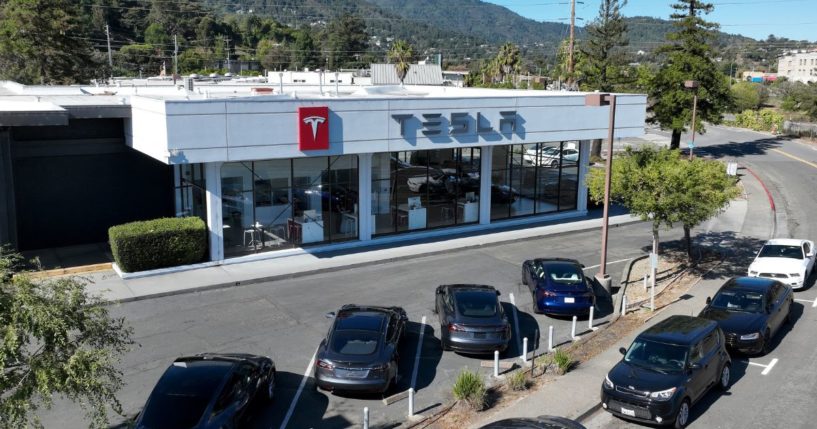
column 418, row 190
column 190, row 191
column 268, row 205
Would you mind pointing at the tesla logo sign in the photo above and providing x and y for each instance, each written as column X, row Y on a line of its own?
column 313, row 128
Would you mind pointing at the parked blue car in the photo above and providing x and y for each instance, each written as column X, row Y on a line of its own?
column 558, row 286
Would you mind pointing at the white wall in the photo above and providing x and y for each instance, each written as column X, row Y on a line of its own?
column 250, row 129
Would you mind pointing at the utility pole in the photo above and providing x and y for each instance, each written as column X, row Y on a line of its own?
column 227, row 42
column 572, row 39
column 110, row 59
column 175, row 59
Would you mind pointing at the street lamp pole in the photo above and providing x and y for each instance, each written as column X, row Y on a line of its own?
column 693, row 85
column 603, row 100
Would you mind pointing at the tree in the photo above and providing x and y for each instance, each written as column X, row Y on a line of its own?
column 346, row 42
column 273, row 56
column 606, row 35
column 688, row 57
column 508, row 60
column 748, row 96
column 55, row 339
column 705, row 191
column 401, row 53
column 561, row 70
column 304, row 51
column 45, row 42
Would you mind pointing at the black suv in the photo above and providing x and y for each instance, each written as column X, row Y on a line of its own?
column 208, row 391
column 669, row 367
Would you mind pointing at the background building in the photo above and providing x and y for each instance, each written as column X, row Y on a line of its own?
column 801, row 67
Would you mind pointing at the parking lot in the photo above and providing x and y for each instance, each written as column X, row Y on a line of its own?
column 286, row 320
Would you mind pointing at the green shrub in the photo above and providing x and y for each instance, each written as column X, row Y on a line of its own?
column 563, row 360
column 158, row 243
column 470, row 388
column 518, row 380
column 763, row 120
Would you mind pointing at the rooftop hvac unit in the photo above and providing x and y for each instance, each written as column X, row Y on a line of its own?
column 188, row 84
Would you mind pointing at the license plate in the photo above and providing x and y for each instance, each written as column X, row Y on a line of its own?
column 345, row 373
column 627, row 412
column 570, row 300
column 479, row 335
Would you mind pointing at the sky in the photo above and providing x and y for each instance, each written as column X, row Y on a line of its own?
column 793, row 19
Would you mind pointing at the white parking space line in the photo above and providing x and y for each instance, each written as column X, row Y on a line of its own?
column 300, row 389
column 813, row 303
column 612, row 262
column 766, row 368
column 516, row 323
column 417, row 355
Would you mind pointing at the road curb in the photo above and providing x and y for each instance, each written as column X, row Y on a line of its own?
column 771, row 200
column 289, row 276
column 622, row 290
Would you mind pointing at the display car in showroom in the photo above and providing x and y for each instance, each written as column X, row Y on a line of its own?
column 790, row 261
column 750, row 311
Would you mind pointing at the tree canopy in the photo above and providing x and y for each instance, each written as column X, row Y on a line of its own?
column 688, row 57
column 606, row 36
column 55, row 339
column 400, row 54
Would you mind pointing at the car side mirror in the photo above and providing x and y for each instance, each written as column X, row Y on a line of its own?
column 498, row 293
column 622, row 350
column 439, row 291
column 809, row 254
column 708, row 300
column 330, row 315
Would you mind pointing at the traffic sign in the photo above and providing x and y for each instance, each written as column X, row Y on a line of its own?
column 690, row 144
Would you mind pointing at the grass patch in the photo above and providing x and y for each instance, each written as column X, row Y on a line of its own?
column 518, row 380
column 562, row 360
column 470, row 389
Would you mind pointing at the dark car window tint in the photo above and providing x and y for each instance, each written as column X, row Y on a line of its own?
column 181, row 396
column 656, row 355
column 697, row 353
column 781, row 251
column 229, row 393
column 739, row 300
column 355, row 342
column 392, row 329
column 565, row 274
column 477, row 304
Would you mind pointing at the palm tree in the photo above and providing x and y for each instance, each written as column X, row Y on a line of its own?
column 401, row 53
column 508, row 60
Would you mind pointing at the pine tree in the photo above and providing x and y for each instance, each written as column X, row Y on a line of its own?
column 688, row 57
column 605, row 36
column 346, row 42
column 304, row 53
column 45, row 42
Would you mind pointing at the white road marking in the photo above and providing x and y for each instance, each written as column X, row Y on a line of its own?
column 813, row 303
column 766, row 368
column 516, row 323
column 417, row 356
column 613, row 262
column 300, row 389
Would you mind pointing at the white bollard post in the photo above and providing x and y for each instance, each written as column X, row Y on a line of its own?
column 646, row 276
column 525, row 350
column 496, row 363
column 624, row 305
column 590, row 319
column 411, row 402
column 550, row 338
column 573, row 329
column 652, row 297
column 365, row 417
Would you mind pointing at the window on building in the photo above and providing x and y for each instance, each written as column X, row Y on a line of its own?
column 190, row 190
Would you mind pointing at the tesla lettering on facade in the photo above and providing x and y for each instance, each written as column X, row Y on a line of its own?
column 313, row 128
column 458, row 123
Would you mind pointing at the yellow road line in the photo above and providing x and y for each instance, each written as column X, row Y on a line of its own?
column 796, row 158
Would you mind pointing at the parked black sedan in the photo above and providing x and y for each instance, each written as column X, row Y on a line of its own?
column 360, row 351
column 471, row 319
column 558, row 286
column 750, row 310
column 208, row 391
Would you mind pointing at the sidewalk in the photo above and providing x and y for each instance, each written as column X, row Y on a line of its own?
column 111, row 287
column 577, row 394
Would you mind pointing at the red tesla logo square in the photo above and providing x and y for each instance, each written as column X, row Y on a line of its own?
column 313, row 128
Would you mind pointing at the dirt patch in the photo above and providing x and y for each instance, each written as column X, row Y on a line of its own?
column 678, row 280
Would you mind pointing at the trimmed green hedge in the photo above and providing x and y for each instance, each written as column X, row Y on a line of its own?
column 158, row 243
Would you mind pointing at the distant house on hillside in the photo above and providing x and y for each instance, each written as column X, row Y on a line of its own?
column 418, row 74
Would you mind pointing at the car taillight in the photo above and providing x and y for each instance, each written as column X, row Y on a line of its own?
column 325, row 364
column 383, row 367
column 453, row 327
column 543, row 293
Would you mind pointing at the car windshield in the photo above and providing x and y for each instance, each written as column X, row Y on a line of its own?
column 656, row 355
column 476, row 304
column 355, row 342
column 738, row 300
column 566, row 274
column 182, row 394
column 780, row 251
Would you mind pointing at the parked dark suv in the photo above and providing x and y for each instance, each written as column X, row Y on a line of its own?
column 667, row 369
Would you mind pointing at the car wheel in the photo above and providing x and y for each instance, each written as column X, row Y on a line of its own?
column 726, row 377
column 767, row 342
column 554, row 164
column 271, row 387
column 682, row 418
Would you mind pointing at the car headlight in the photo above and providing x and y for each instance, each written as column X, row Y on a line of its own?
column 752, row 336
column 794, row 275
column 664, row 394
column 607, row 383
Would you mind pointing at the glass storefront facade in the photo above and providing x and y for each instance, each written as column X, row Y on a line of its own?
column 534, row 178
column 425, row 189
column 274, row 204
column 190, row 190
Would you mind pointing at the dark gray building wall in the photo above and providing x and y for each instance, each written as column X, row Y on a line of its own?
column 71, row 183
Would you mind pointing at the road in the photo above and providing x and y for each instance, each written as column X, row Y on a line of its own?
column 784, row 395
